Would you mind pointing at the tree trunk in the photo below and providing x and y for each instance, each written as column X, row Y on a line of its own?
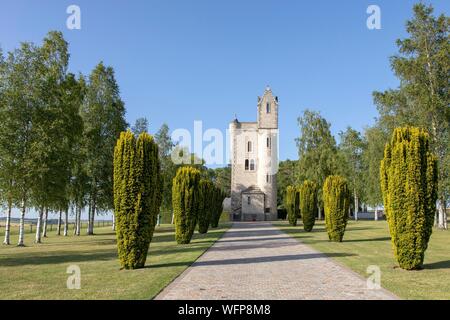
column 320, row 213
column 78, row 227
column 92, row 217
column 8, row 225
column 442, row 224
column 88, row 229
column 44, row 229
column 22, row 224
column 158, row 222
column 38, row 226
column 173, row 217
column 376, row 213
column 356, row 204
column 113, row 222
column 66, row 222
column 58, row 231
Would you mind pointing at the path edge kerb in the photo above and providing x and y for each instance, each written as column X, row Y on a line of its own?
column 165, row 290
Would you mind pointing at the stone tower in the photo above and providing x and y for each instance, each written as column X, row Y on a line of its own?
column 254, row 163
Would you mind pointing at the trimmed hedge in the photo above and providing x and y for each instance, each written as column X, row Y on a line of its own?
column 206, row 189
column 308, row 204
column 336, row 200
column 292, row 204
column 185, row 203
column 137, row 196
column 409, row 184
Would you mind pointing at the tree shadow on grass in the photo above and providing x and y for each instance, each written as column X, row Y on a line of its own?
column 437, row 265
column 57, row 257
column 369, row 240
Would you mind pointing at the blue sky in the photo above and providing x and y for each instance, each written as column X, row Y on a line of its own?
column 180, row 61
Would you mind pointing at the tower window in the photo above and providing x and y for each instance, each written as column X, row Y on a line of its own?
column 252, row 165
column 267, row 107
column 246, row 164
column 249, row 146
column 268, row 142
column 248, row 200
column 267, row 178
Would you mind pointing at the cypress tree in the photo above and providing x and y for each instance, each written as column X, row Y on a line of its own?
column 409, row 180
column 185, row 203
column 308, row 204
column 206, row 189
column 218, row 196
column 336, row 199
column 136, row 196
column 292, row 204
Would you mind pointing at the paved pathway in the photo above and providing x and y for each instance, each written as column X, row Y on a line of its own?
column 258, row 261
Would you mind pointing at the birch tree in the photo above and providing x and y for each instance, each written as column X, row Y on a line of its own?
column 422, row 99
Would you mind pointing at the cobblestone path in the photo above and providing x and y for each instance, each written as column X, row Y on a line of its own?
column 258, row 261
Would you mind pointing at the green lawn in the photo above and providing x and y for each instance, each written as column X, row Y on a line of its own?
column 39, row 271
column 368, row 243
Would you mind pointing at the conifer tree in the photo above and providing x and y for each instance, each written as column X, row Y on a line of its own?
column 409, row 183
column 137, row 197
column 308, row 204
column 336, row 199
column 185, row 203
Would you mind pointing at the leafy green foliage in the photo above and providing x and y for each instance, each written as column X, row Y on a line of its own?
column 136, row 196
column 336, row 199
column 308, row 204
column 185, row 202
column 285, row 177
column 292, row 204
column 316, row 150
column 409, row 182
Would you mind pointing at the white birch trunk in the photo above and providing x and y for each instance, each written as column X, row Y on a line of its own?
column 442, row 224
column 356, row 205
column 22, row 225
column 88, row 228
column 38, row 226
column 66, row 222
column 320, row 213
column 58, row 231
column 113, row 222
column 8, row 226
column 173, row 217
column 376, row 213
column 78, row 229
column 44, row 228
column 91, row 220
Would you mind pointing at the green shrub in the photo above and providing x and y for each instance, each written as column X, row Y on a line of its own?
column 206, row 189
column 137, row 195
column 218, row 197
column 408, row 175
column 292, row 204
column 308, row 204
column 336, row 200
column 185, row 203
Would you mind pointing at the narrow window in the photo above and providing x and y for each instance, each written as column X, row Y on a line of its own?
column 268, row 107
column 267, row 178
column 249, row 146
column 246, row 164
column 268, row 142
column 248, row 200
column 252, row 165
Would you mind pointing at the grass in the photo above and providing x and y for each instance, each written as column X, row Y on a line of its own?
column 39, row 271
column 368, row 243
